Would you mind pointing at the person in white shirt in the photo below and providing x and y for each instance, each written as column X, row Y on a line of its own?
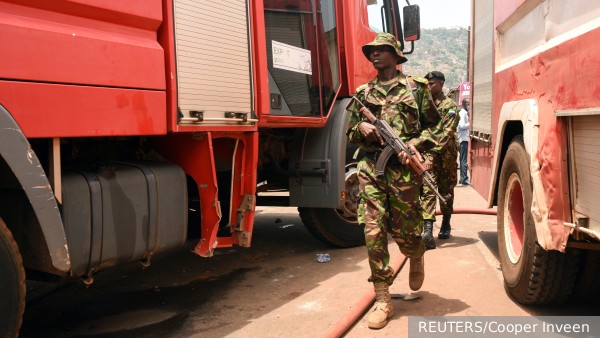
column 463, row 137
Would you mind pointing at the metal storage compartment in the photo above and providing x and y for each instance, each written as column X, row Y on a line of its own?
column 122, row 212
column 213, row 56
column 585, row 161
column 481, row 88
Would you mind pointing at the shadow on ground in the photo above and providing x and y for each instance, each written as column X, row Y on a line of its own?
column 182, row 294
column 490, row 239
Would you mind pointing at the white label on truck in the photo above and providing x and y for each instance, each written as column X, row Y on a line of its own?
column 291, row 58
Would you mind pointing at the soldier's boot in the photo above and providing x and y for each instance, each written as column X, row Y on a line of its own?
column 445, row 228
column 383, row 309
column 416, row 276
column 427, row 236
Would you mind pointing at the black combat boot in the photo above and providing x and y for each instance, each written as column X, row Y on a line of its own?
column 445, row 228
column 427, row 236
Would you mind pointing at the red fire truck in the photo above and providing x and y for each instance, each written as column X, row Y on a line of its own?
column 534, row 147
column 128, row 126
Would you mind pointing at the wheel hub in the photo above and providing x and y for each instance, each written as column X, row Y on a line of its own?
column 514, row 219
column 348, row 211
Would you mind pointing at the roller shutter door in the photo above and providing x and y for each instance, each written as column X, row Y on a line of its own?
column 586, row 158
column 213, row 57
column 483, row 33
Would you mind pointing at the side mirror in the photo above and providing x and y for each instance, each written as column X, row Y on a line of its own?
column 412, row 23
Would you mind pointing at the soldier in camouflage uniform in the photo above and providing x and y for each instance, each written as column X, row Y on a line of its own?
column 390, row 203
column 443, row 160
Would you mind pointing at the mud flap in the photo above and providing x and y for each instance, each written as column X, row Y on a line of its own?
column 318, row 160
column 195, row 153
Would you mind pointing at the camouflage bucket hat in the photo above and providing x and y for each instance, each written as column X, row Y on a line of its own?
column 381, row 40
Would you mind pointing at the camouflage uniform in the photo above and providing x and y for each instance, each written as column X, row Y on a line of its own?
column 443, row 157
column 390, row 203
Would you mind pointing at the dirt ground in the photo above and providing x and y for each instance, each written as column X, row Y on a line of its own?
column 277, row 288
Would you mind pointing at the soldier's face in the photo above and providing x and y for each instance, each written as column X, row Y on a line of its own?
column 435, row 86
column 383, row 57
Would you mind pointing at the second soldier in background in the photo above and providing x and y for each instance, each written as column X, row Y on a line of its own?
column 443, row 160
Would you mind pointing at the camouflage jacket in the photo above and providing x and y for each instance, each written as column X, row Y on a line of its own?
column 413, row 117
column 449, row 111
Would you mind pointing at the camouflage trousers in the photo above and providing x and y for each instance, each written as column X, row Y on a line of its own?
column 444, row 176
column 389, row 204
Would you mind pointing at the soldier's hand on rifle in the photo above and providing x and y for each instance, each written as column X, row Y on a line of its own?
column 369, row 132
column 405, row 158
column 428, row 165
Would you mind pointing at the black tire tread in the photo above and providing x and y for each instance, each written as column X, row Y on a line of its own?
column 550, row 276
column 13, row 324
column 553, row 276
column 587, row 289
column 311, row 226
column 313, row 223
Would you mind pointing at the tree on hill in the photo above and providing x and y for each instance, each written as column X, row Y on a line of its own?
column 441, row 49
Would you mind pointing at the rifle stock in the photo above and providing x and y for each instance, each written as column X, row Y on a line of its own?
column 394, row 146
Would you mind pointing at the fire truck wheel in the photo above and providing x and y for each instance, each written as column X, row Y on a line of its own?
column 338, row 227
column 12, row 284
column 588, row 284
column 532, row 275
column 331, row 227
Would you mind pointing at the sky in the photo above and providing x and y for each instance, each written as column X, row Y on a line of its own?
column 443, row 13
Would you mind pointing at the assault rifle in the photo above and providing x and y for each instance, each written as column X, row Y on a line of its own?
column 394, row 146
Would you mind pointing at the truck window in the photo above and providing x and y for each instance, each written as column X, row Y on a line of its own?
column 376, row 20
column 303, row 79
column 329, row 54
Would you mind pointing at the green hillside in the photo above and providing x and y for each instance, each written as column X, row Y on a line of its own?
column 442, row 49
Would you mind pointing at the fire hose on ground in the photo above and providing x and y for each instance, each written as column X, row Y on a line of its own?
column 364, row 303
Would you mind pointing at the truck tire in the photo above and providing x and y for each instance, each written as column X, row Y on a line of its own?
column 588, row 283
column 337, row 227
column 12, row 284
column 532, row 275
